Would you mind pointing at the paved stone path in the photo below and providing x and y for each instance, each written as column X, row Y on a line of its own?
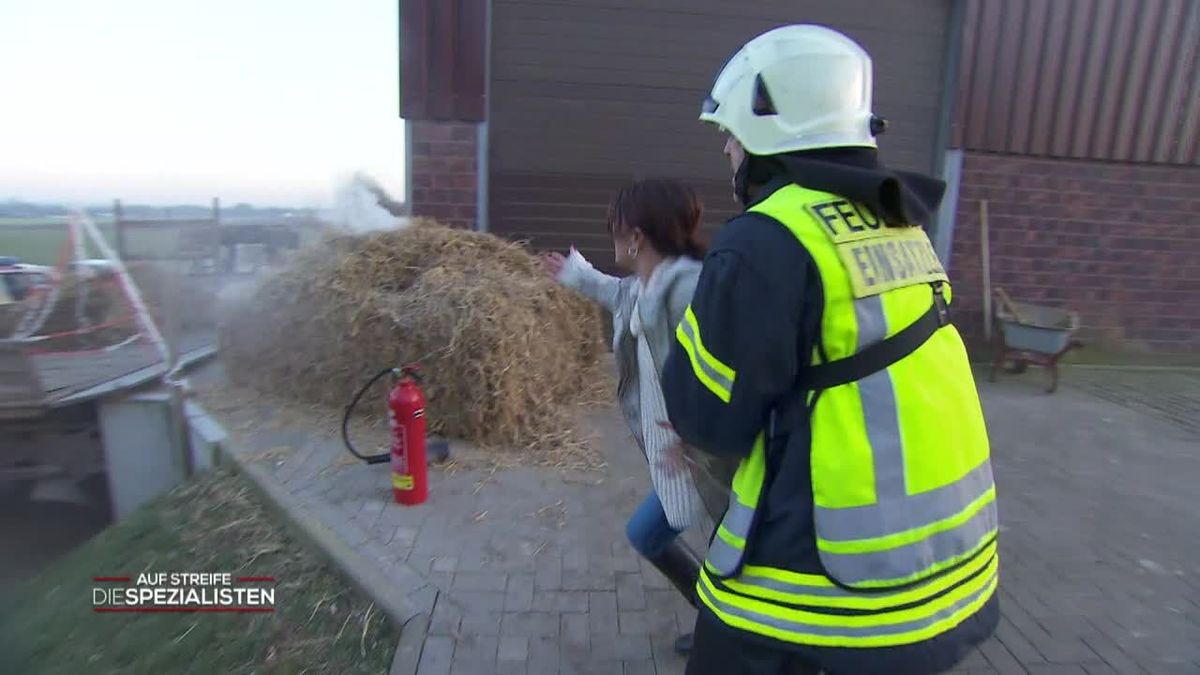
column 528, row 570
column 1171, row 395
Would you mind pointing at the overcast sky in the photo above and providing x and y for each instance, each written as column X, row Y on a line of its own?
column 164, row 101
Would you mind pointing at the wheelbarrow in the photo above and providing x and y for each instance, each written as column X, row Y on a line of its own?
column 1032, row 334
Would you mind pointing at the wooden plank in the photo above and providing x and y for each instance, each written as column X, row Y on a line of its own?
column 135, row 378
column 21, row 393
column 70, row 377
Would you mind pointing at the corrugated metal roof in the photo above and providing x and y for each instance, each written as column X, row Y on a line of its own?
column 1089, row 79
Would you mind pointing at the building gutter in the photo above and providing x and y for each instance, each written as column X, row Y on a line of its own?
column 482, row 170
column 947, row 162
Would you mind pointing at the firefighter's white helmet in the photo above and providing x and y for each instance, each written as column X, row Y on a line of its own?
column 798, row 87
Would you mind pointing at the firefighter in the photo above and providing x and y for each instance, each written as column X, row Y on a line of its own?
column 817, row 353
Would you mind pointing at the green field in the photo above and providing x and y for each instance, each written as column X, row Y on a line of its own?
column 40, row 244
column 12, row 220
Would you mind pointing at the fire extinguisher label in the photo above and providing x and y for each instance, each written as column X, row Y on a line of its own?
column 399, row 447
column 402, row 482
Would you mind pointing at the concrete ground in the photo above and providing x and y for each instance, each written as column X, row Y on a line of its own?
column 528, row 571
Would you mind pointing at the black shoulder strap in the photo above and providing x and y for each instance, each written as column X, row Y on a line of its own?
column 881, row 354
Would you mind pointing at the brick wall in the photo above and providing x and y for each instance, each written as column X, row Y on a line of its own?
column 1118, row 243
column 444, row 170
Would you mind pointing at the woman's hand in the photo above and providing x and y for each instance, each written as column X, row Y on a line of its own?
column 672, row 460
column 553, row 263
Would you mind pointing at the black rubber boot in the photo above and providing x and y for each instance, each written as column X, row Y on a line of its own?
column 681, row 567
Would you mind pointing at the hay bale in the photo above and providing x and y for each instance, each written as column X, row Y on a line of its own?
column 505, row 350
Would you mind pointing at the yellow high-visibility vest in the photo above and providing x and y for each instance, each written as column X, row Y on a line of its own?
column 903, row 496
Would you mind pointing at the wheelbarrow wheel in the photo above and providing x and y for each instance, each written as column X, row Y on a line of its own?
column 1052, row 371
column 998, row 360
column 1053, row 365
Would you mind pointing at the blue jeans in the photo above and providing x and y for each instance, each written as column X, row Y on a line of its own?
column 648, row 529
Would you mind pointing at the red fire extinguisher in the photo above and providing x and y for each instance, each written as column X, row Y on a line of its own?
column 406, row 422
column 406, row 419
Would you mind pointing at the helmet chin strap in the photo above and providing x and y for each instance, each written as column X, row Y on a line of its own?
column 754, row 171
column 741, row 181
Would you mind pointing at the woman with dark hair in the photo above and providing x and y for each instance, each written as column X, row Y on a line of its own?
column 654, row 226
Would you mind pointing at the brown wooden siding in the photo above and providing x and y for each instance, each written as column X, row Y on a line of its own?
column 1085, row 79
column 442, row 57
column 589, row 94
column 556, row 211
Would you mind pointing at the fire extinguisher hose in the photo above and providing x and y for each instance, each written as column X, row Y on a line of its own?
column 369, row 459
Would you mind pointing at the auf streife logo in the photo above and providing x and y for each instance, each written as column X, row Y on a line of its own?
column 184, row 592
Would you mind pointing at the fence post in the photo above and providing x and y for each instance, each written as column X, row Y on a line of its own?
column 119, row 229
column 173, row 329
column 216, row 235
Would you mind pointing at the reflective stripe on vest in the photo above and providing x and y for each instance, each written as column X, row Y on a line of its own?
column 879, row 622
column 817, row 591
column 711, row 372
column 904, row 499
column 728, row 546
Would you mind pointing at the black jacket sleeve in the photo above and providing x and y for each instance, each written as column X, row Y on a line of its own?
column 736, row 351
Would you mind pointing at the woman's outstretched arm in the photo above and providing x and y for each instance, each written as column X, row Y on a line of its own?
column 574, row 271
